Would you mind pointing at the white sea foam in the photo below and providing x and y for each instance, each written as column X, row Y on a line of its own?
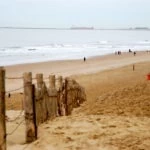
column 145, row 42
column 70, row 45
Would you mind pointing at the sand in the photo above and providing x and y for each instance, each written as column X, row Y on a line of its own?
column 72, row 67
column 116, row 115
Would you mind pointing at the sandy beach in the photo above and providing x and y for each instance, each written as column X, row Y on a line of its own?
column 73, row 67
column 116, row 115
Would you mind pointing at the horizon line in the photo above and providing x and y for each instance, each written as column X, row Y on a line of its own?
column 76, row 28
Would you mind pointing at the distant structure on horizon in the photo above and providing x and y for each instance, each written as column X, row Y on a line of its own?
column 82, row 28
column 140, row 28
column 77, row 28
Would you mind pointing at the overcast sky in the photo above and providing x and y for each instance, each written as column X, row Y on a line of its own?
column 66, row 13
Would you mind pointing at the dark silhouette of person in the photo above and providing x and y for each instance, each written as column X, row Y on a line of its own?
column 84, row 59
column 134, row 53
column 9, row 95
column 130, row 51
column 119, row 52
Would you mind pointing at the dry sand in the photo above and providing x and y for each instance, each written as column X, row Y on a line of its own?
column 116, row 115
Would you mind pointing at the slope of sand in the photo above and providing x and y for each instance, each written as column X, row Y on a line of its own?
column 116, row 115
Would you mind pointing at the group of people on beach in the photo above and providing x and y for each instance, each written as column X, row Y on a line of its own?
column 130, row 51
column 118, row 53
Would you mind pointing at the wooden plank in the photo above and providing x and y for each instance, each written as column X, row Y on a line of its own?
column 52, row 93
column 41, row 101
column 2, row 110
column 31, row 129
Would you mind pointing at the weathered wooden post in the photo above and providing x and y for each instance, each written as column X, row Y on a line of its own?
column 60, row 98
column 40, row 98
column 59, row 83
column 70, row 95
column 75, row 94
column 66, row 95
column 52, row 93
column 29, row 104
column 2, row 110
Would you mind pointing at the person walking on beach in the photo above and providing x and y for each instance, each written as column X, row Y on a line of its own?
column 130, row 51
column 119, row 52
column 84, row 59
column 134, row 53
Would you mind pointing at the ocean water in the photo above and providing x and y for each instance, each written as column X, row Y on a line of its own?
column 37, row 45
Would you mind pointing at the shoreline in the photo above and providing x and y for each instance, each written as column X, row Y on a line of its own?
column 73, row 67
column 92, row 59
column 78, row 59
column 60, row 60
column 74, row 59
column 10, row 64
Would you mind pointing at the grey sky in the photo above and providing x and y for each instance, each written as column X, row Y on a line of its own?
column 65, row 13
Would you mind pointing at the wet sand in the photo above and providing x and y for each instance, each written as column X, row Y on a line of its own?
column 73, row 67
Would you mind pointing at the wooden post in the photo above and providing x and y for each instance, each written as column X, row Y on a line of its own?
column 34, row 111
column 39, row 78
column 52, row 81
column 31, row 128
column 52, row 92
column 70, row 95
column 2, row 110
column 41, row 110
column 59, row 87
column 66, row 95
column 39, row 97
column 59, row 83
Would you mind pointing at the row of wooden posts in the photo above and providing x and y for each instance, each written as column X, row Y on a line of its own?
column 42, row 103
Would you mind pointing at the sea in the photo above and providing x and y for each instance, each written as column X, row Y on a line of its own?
column 18, row 46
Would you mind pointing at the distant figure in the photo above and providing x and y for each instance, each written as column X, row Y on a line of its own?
column 9, row 95
column 119, row 52
column 84, row 59
column 147, row 51
column 134, row 53
column 130, row 51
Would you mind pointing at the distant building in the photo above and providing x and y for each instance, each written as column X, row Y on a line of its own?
column 141, row 28
column 82, row 28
